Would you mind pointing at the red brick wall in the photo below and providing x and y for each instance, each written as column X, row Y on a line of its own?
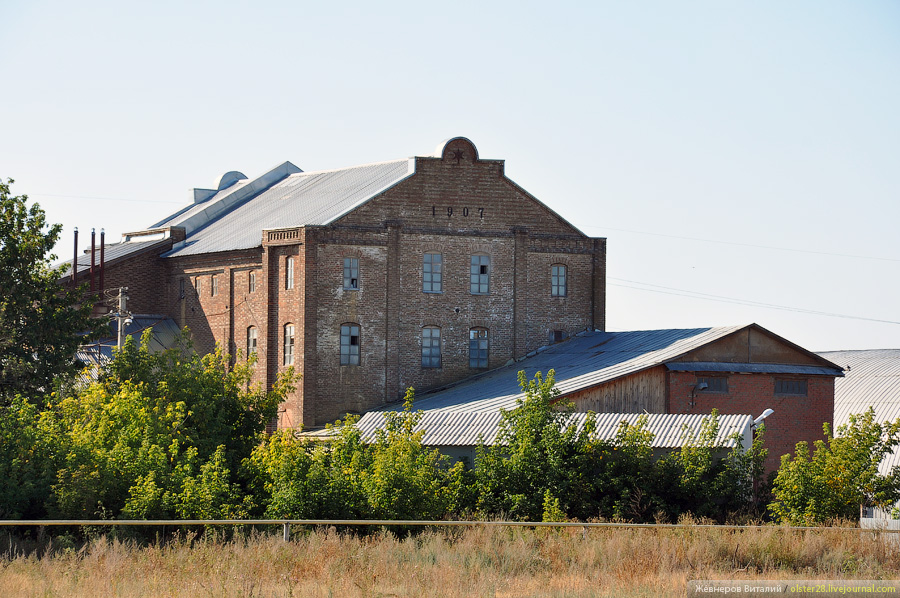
column 796, row 418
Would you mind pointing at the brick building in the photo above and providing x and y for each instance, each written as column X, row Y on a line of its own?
column 738, row 370
column 367, row 280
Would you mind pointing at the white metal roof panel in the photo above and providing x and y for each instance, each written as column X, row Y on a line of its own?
column 301, row 199
column 470, row 428
column 871, row 379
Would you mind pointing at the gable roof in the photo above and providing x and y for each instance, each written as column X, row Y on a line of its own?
column 234, row 218
column 587, row 360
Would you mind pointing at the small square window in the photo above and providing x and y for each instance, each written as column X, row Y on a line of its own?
column 351, row 273
column 713, row 383
column 790, row 387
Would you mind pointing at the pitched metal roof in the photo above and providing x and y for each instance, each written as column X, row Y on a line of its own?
column 112, row 251
column 469, row 429
column 871, row 379
column 235, row 217
column 165, row 335
column 585, row 360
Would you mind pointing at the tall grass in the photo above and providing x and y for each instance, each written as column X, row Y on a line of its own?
column 480, row 561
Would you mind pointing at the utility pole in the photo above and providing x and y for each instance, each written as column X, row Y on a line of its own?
column 122, row 316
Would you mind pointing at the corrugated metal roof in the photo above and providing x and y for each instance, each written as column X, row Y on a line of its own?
column 753, row 368
column 165, row 334
column 468, row 428
column 306, row 198
column 112, row 251
column 871, row 379
column 580, row 362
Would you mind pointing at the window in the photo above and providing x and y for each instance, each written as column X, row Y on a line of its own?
column 790, row 387
column 351, row 273
column 349, row 344
column 181, row 285
column 478, row 348
column 288, row 344
column 198, row 284
column 251, row 341
column 478, row 274
column 556, row 336
column 215, row 285
column 713, row 383
column 289, row 274
column 431, row 347
column 431, row 273
column 558, row 280
column 251, row 283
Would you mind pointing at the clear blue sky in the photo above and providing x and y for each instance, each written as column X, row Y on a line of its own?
column 746, row 151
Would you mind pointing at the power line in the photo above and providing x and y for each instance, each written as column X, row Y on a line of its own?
column 721, row 299
column 735, row 243
column 104, row 198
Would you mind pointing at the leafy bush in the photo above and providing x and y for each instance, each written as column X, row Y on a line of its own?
column 840, row 475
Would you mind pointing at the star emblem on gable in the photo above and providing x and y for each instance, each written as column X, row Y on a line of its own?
column 458, row 154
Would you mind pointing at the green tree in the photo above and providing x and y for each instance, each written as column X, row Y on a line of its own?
column 840, row 474
column 539, row 456
column 42, row 323
column 160, row 435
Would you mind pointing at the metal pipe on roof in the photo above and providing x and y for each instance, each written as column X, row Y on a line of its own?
column 102, row 261
column 93, row 249
column 75, row 258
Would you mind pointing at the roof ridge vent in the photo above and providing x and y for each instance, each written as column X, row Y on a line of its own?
column 230, row 178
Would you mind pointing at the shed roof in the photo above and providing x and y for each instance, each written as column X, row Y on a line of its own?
column 111, row 252
column 99, row 353
column 235, row 217
column 588, row 359
column 467, row 428
column 871, row 379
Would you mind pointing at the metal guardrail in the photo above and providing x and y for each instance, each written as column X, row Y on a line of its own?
column 287, row 523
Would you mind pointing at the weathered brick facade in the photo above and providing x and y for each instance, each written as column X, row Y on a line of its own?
column 453, row 205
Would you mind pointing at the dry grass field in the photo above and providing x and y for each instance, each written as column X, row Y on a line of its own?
column 478, row 561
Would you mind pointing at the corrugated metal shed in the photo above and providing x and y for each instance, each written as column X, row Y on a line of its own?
column 305, row 198
column 871, row 379
column 586, row 360
column 466, row 428
column 165, row 335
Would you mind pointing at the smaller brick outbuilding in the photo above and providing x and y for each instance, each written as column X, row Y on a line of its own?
column 737, row 370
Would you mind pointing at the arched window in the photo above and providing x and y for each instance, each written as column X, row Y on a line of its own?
column 349, row 344
column 431, row 347
column 289, row 344
column 251, row 341
column 479, row 274
column 478, row 348
column 558, row 280
column 432, row 275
